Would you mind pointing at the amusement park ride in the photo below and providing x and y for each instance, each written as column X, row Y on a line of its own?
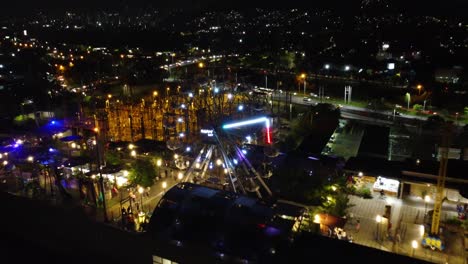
column 223, row 163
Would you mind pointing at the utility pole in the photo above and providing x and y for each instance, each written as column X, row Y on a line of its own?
column 101, row 179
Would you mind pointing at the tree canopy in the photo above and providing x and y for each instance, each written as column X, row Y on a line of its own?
column 143, row 173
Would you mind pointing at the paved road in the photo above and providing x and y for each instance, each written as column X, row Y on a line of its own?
column 150, row 199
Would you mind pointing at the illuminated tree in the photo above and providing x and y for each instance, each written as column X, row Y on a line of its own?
column 143, row 173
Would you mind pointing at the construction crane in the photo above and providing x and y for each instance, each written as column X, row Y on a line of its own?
column 434, row 239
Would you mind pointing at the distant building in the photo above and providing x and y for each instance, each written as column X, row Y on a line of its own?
column 445, row 75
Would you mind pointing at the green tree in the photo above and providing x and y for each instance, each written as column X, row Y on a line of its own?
column 143, row 173
column 417, row 107
column 113, row 158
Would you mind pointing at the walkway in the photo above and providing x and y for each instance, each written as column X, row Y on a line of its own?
column 410, row 212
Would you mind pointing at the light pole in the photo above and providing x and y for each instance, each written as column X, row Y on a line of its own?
column 414, row 245
column 378, row 219
column 303, row 76
column 426, row 200
column 180, row 176
column 101, row 179
column 140, row 191
column 408, row 98
column 119, row 185
column 419, row 86
column 158, row 164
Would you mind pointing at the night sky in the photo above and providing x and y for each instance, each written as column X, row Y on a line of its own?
column 446, row 7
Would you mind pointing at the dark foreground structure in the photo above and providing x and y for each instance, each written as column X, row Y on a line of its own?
column 184, row 228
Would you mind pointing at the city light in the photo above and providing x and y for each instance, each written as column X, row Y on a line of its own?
column 317, row 219
column 240, row 107
column 378, row 218
column 327, row 66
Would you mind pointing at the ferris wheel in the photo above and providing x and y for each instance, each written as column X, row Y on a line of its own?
column 222, row 161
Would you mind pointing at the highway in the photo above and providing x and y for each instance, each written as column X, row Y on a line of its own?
column 353, row 112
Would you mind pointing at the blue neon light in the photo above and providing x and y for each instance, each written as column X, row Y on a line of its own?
column 248, row 122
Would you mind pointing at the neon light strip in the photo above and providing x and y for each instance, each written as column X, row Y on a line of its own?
column 253, row 121
column 248, row 122
column 268, row 138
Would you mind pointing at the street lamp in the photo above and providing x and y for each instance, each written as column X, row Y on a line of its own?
column 119, row 185
column 140, row 191
column 426, row 200
column 419, row 86
column 303, row 76
column 414, row 245
column 133, row 153
column 180, row 175
column 101, row 179
column 408, row 98
column 164, row 186
column 378, row 219
column 158, row 164
column 317, row 219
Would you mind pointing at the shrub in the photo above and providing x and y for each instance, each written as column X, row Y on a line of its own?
column 364, row 193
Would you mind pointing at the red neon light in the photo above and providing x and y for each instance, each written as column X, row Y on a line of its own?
column 268, row 139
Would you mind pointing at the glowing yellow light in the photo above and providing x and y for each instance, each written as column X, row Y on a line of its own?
column 317, row 219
